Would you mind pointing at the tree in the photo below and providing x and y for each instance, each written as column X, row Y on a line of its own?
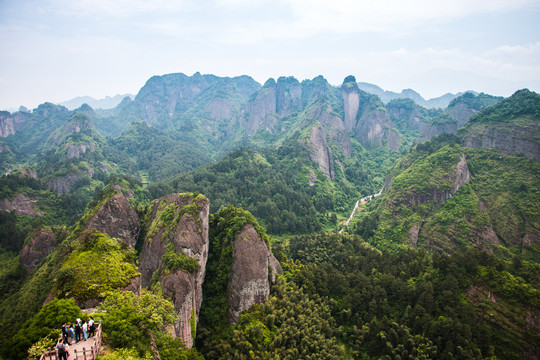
column 134, row 321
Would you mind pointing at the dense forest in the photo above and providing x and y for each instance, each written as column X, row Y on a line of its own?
column 155, row 213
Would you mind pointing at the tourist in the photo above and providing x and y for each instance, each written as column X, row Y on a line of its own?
column 85, row 330
column 72, row 333
column 64, row 332
column 63, row 349
column 91, row 326
column 78, row 331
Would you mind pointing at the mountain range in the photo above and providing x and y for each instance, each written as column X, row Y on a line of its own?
column 229, row 199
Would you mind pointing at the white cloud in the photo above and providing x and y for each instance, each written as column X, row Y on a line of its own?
column 119, row 8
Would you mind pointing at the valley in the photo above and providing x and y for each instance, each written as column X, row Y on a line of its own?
column 210, row 218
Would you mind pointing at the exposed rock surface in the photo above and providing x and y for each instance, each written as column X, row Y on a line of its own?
column 351, row 103
column 12, row 123
column 333, row 125
column 116, row 218
column 260, row 112
column 63, row 185
column 22, row 205
column 461, row 113
column 509, row 138
column 320, row 152
column 249, row 283
column 76, row 151
column 437, row 196
column 36, row 249
column 433, row 130
column 188, row 232
column 288, row 96
column 367, row 117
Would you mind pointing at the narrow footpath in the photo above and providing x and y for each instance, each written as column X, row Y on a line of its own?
column 358, row 207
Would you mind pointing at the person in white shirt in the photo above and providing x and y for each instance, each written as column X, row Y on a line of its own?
column 85, row 330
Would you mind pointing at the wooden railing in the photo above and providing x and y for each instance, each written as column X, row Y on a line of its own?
column 78, row 353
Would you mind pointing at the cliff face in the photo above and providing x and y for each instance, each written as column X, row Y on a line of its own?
column 516, row 138
column 12, row 123
column 63, row 185
column 320, row 152
column 178, row 230
column 260, row 113
column 351, row 104
column 366, row 116
column 116, row 218
column 461, row 113
column 253, row 268
column 22, row 205
column 288, row 96
column 165, row 96
column 40, row 244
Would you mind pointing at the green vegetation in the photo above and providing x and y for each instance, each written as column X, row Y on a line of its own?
column 136, row 326
column 46, row 323
column 415, row 303
column 225, row 226
column 443, row 273
column 523, row 102
column 496, row 210
column 290, row 324
column 97, row 264
column 178, row 260
column 475, row 102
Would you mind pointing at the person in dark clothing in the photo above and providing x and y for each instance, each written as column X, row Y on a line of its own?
column 63, row 349
column 77, row 331
column 91, row 327
column 64, row 332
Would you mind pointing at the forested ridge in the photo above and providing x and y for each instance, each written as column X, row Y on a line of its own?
column 444, row 264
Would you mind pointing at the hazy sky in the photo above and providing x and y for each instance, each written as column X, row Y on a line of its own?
column 54, row 50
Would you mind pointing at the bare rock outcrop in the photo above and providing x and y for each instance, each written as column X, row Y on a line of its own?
column 40, row 244
column 366, row 116
column 509, row 138
column 22, row 205
column 116, row 218
column 261, row 112
column 63, row 185
column 76, row 151
column 12, row 123
column 178, row 229
column 320, row 152
column 253, row 268
column 351, row 103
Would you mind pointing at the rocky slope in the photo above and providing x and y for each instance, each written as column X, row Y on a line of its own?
column 12, row 123
column 22, row 205
column 512, row 126
column 253, row 268
column 37, row 247
column 447, row 198
column 366, row 116
column 116, row 218
column 174, row 255
column 457, row 114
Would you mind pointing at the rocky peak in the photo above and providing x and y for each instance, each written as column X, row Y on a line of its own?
column 174, row 254
column 12, row 123
column 253, row 268
column 261, row 112
column 38, row 245
column 166, row 95
column 116, row 218
column 351, row 101
column 288, row 96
